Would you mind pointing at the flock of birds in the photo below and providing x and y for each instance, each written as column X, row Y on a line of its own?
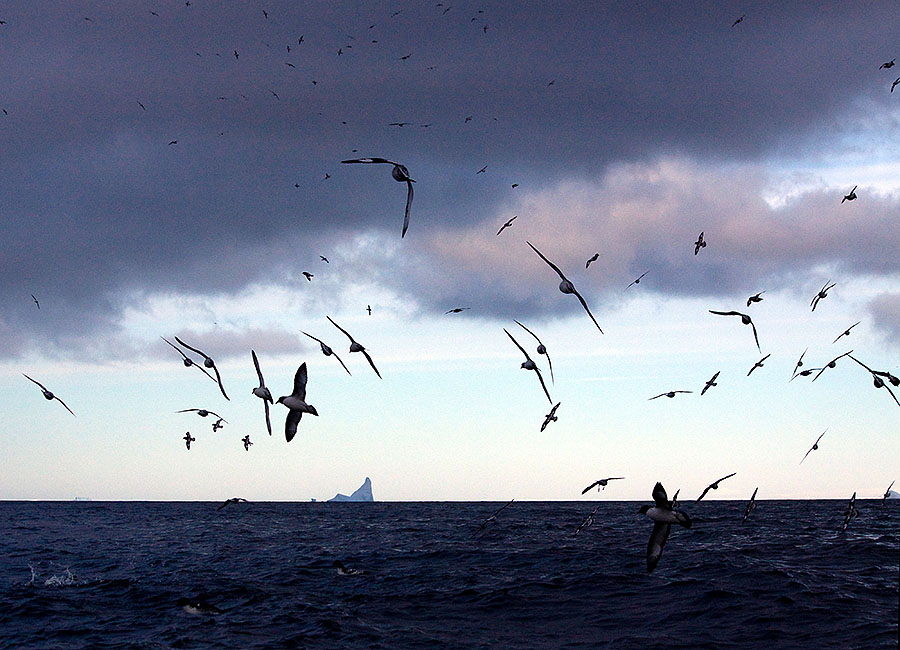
column 663, row 513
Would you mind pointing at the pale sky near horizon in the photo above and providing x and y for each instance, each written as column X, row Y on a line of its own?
column 624, row 130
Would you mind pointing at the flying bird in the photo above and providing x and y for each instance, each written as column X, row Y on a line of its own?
column 799, row 364
column 551, row 416
column 851, row 196
column 456, row 310
column 894, row 85
column 47, row 394
column 506, row 225
column 745, row 319
column 670, row 394
column 663, row 514
column 700, row 243
column 208, row 362
column 877, row 378
column 401, row 175
column 758, row 364
column 589, row 520
column 356, row 347
column 814, row 447
column 327, row 351
column 203, row 413
column 846, row 332
column 565, row 286
column 593, row 258
column 541, row 348
column 887, row 493
column 850, row 512
column 482, row 170
column 309, row 276
column 186, row 360
column 751, row 506
column 710, row 382
column 36, row 301
column 739, row 20
column 493, row 517
column 296, row 404
column 188, row 439
column 638, row 279
column 713, row 486
column 261, row 391
column 755, row 298
column 805, row 373
column 247, row 443
column 888, row 64
column 831, row 364
column 218, row 424
column 529, row 364
column 601, row 484
column 230, row 501
column 324, row 259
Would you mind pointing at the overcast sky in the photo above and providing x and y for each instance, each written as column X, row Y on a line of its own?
column 172, row 168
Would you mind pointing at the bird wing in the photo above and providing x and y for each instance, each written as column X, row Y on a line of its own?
column 654, row 397
column 268, row 420
column 550, row 363
column 659, row 496
column 703, row 494
column 219, row 380
column 340, row 328
column 409, row 198
column 334, row 354
column 726, row 313
column 551, row 264
column 369, row 160
column 202, row 354
column 543, row 385
column 262, row 383
column 806, row 454
column 656, row 544
column 70, row 410
column 755, row 336
column 594, row 484
column 290, row 424
column 313, row 337
column 371, row 363
column 724, row 477
column 300, row 382
column 34, row 380
column 885, row 385
column 517, row 343
column 584, row 304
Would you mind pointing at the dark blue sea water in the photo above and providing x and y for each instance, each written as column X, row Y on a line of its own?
column 109, row 575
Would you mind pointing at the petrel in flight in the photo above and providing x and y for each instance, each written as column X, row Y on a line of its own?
column 663, row 514
column 529, row 364
column 713, row 486
column 745, row 319
column 296, row 404
column 47, row 394
column 401, row 175
column 208, row 362
column 565, row 285
column 354, row 347
column 601, row 484
column 262, row 392
column 814, row 447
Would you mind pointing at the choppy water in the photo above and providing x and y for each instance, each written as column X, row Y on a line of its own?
column 109, row 575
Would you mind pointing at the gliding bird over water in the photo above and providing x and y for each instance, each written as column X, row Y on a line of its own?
column 814, row 447
column 663, row 514
column 638, row 279
column 401, row 175
column 565, row 286
column 541, row 348
column 670, row 394
column 601, row 484
column 47, row 394
column 745, row 319
column 327, row 351
column 823, row 293
column 887, row 493
column 713, row 486
column 296, row 403
column 208, row 362
column 851, row 196
column 710, row 382
column 355, row 347
column 262, row 392
column 751, row 506
column 529, row 364
column 551, row 416
column 186, row 360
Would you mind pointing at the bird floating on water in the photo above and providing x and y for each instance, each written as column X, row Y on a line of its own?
column 400, row 174
column 296, row 403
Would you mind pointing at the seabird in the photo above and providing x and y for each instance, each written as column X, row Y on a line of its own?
column 850, row 512
column 638, row 279
column 751, row 506
column 247, row 443
column 670, row 394
column 218, row 424
column 482, row 170
column 202, row 413
column 262, row 392
column 188, row 439
column 230, row 501
column 401, row 175
column 711, row 382
column 805, row 373
column 823, row 293
column 565, row 286
column 663, row 514
column 589, row 519
column 36, row 301
column 700, row 243
column 814, row 447
column 309, row 276
column 507, row 224
column 831, row 364
column 186, row 360
column 493, row 517
column 745, row 319
column 593, row 258
column 296, row 404
column 851, row 196
column 601, row 484
column 755, row 298
column 887, row 64
column 208, row 362
column 327, row 351
column 739, row 20
column 356, row 347
column 799, row 364
column 876, row 378
column 887, row 493
column 345, row 571
column 529, row 364
column 758, row 364
column 894, row 85
column 551, row 416
column 324, row 259
column 846, row 332
column 47, row 394
column 541, row 348
column 713, row 486
column 456, row 310
column 369, row 309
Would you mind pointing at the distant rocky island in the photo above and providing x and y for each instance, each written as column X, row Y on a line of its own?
column 363, row 493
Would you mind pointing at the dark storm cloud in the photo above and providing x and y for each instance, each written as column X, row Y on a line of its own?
column 96, row 202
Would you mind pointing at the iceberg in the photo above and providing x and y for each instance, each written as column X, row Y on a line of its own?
column 363, row 493
column 893, row 495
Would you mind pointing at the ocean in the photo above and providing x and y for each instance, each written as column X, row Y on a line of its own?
column 110, row 575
